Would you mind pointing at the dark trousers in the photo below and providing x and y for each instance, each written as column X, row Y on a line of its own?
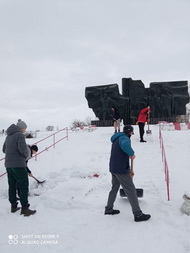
column 125, row 180
column 18, row 178
column 141, row 130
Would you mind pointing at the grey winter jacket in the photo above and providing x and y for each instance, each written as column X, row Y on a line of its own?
column 15, row 148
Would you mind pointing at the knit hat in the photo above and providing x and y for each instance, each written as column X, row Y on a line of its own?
column 21, row 124
column 128, row 129
column 34, row 147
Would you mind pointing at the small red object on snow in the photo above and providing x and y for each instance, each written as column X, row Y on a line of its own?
column 96, row 175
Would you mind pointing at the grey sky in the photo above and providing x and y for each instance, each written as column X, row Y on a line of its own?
column 50, row 50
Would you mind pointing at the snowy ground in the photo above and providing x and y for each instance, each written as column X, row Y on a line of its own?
column 71, row 203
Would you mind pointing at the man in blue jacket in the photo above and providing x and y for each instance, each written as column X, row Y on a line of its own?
column 119, row 167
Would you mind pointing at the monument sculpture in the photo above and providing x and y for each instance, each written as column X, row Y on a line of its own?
column 166, row 99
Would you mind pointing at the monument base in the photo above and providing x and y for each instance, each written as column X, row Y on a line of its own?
column 102, row 123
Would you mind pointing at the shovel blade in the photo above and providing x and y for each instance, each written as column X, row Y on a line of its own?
column 148, row 132
column 138, row 190
column 41, row 182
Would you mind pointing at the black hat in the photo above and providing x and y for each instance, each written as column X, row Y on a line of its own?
column 128, row 129
column 34, row 147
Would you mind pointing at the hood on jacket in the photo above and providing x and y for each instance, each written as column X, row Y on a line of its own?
column 12, row 129
column 116, row 136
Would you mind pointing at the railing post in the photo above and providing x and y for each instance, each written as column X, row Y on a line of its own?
column 67, row 133
column 54, row 140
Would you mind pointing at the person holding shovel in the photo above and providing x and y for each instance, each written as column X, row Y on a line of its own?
column 142, row 119
column 16, row 152
column 32, row 150
column 119, row 167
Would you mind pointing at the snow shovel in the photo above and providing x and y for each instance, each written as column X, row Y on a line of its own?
column 39, row 182
column 148, row 131
column 139, row 191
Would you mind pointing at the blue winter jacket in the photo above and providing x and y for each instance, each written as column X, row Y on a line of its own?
column 120, row 152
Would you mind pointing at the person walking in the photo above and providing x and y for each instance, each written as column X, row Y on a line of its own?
column 116, row 119
column 142, row 119
column 119, row 168
column 16, row 153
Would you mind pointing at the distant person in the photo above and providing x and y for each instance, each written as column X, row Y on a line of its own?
column 142, row 119
column 116, row 119
column 16, row 153
column 2, row 132
column 119, row 167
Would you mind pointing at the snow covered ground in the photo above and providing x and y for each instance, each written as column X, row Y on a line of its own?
column 70, row 209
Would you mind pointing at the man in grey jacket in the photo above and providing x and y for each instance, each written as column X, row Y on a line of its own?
column 16, row 153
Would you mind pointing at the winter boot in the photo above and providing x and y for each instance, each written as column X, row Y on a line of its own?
column 142, row 141
column 142, row 217
column 14, row 208
column 26, row 211
column 111, row 212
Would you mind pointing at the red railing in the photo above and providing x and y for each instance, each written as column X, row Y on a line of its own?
column 50, row 146
column 164, row 160
column 54, row 141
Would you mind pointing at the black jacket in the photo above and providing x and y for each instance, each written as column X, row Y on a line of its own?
column 116, row 114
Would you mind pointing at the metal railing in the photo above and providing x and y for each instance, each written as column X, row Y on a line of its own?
column 165, row 163
column 50, row 146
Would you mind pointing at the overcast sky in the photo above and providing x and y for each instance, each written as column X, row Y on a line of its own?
column 50, row 50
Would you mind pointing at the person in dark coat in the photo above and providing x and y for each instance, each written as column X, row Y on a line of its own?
column 116, row 119
column 119, row 167
column 32, row 150
column 142, row 119
column 16, row 153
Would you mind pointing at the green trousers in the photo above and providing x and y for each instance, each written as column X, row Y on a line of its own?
column 18, row 179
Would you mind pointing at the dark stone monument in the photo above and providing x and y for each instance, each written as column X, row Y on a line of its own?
column 166, row 99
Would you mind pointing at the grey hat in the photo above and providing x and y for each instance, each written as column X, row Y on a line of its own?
column 21, row 124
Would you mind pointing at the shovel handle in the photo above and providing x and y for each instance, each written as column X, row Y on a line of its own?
column 35, row 179
column 132, row 166
column 39, row 182
column 148, row 118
